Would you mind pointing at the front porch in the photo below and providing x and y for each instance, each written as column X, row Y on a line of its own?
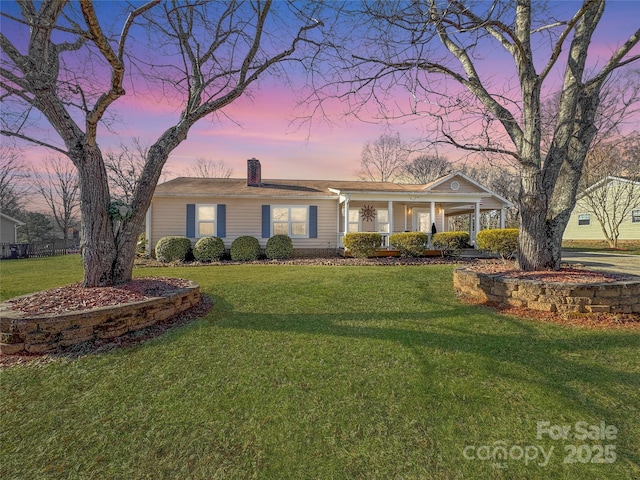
column 429, row 217
column 432, row 208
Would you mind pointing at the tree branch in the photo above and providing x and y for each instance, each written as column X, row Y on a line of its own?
column 8, row 133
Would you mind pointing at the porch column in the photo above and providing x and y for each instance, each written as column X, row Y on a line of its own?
column 432, row 213
column 390, row 208
column 502, row 211
column 346, row 215
column 476, row 221
column 406, row 216
column 443, row 220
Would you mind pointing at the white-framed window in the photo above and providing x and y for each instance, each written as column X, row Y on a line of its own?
column 291, row 220
column 584, row 219
column 354, row 220
column 205, row 220
column 635, row 216
column 382, row 220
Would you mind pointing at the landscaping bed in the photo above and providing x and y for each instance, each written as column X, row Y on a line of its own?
column 65, row 316
column 595, row 297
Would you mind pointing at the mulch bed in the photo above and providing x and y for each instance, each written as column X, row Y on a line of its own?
column 73, row 298
column 564, row 275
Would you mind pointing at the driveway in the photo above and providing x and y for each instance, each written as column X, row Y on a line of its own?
column 614, row 262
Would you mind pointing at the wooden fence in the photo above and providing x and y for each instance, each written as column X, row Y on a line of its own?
column 38, row 249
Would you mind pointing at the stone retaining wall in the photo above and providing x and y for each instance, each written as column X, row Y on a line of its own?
column 611, row 297
column 42, row 333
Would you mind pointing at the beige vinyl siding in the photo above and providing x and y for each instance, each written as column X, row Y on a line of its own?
column 490, row 203
column 628, row 229
column 465, row 186
column 243, row 217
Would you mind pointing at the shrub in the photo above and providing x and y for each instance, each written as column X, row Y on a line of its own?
column 410, row 244
column 362, row 244
column 503, row 241
column 449, row 242
column 279, row 247
column 245, row 249
column 208, row 249
column 172, row 249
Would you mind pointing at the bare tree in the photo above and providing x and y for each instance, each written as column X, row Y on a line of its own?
column 125, row 168
column 385, row 159
column 501, row 179
column 427, row 168
column 611, row 184
column 59, row 189
column 432, row 53
column 13, row 174
column 37, row 227
column 210, row 169
column 203, row 55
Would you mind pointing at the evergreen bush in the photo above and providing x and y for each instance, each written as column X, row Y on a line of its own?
column 208, row 249
column 279, row 247
column 503, row 241
column 410, row 244
column 245, row 249
column 450, row 242
column 172, row 249
column 362, row 244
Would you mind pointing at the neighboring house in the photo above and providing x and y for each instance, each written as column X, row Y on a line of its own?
column 615, row 201
column 8, row 226
column 314, row 213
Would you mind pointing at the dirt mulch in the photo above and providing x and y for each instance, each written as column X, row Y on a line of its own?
column 564, row 275
column 73, row 298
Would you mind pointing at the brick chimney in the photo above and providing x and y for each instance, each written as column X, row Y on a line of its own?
column 254, row 173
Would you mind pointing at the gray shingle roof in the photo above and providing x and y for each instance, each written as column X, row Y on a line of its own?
column 237, row 187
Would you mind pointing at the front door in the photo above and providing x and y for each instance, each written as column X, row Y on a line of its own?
column 421, row 220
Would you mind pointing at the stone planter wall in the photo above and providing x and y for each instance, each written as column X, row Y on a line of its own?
column 42, row 333
column 612, row 297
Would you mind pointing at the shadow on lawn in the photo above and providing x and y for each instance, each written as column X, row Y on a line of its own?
column 565, row 367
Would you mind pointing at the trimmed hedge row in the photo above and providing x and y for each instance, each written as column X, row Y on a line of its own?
column 209, row 249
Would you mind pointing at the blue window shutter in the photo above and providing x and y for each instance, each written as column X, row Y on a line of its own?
column 313, row 221
column 191, row 220
column 266, row 221
column 221, row 221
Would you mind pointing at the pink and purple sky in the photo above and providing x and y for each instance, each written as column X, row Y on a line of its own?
column 323, row 151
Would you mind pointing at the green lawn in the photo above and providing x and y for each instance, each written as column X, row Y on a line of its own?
column 630, row 247
column 322, row 373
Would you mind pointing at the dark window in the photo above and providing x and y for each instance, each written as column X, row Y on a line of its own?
column 584, row 219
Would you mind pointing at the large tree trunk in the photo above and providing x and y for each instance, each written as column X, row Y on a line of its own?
column 96, row 229
column 534, row 252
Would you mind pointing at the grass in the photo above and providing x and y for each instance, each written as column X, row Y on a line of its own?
column 324, row 373
column 629, row 247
